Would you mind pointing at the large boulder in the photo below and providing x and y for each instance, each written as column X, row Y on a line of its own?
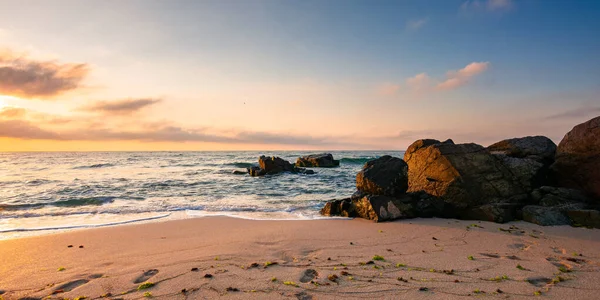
column 386, row 175
column 538, row 148
column 465, row 175
column 528, row 158
column 323, row 160
column 585, row 217
column 577, row 162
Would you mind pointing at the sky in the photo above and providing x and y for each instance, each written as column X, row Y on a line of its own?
column 128, row 75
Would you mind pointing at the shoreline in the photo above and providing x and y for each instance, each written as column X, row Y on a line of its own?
column 422, row 258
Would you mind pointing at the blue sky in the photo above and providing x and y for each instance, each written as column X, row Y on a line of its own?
column 308, row 74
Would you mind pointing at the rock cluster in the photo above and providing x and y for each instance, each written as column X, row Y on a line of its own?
column 323, row 160
column 269, row 165
column 511, row 179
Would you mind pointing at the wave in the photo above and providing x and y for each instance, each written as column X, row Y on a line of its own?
column 356, row 160
column 84, row 226
column 95, row 166
column 241, row 165
column 62, row 203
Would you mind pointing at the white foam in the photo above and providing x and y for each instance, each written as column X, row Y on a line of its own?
column 64, row 227
column 270, row 216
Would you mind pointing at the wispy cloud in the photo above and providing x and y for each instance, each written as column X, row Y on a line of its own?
column 120, row 107
column 387, row 89
column 416, row 24
column 24, row 77
column 577, row 113
column 487, row 5
column 455, row 79
column 420, row 82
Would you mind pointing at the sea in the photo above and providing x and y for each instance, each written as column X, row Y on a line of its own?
column 48, row 192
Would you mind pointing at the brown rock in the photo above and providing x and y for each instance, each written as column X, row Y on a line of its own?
column 323, row 160
column 463, row 175
column 578, row 158
column 386, row 175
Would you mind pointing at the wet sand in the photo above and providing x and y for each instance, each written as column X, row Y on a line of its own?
column 207, row 258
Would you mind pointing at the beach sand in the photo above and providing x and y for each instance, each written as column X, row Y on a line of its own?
column 206, row 258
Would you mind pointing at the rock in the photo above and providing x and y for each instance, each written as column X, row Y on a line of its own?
column 383, row 176
column 256, row 171
column 539, row 148
column 578, row 159
column 308, row 275
column 496, row 212
column 384, row 208
column 323, row 160
column 585, row 217
column 545, row 216
column 530, row 173
column 237, row 172
column 274, row 165
column 463, row 175
column 342, row 207
column 528, row 158
column 556, row 196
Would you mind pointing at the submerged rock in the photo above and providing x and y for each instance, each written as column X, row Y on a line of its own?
column 323, row 160
column 386, row 175
column 578, row 159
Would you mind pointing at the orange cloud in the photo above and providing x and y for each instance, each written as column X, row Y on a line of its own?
column 419, row 82
column 24, row 77
column 459, row 78
column 120, row 107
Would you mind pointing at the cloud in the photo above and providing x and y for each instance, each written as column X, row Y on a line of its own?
column 120, row 107
column 12, row 113
column 419, row 82
column 461, row 77
column 416, row 24
column 487, row 5
column 25, row 130
column 578, row 113
column 387, row 89
column 24, row 77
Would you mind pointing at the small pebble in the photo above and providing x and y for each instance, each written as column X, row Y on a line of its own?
column 329, row 258
column 81, row 246
column 70, row 246
column 183, row 291
column 232, row 289
column 423, row 289
column 433, row 238
column 208, row 276
column 195, row 270
column 351, row 243
column 499, row 291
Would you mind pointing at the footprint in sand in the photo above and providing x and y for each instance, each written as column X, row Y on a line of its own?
column 30, row 298
column 69, row 286
column 96, row 276
column 308, row 275
column 538, row 281
column 147, row 275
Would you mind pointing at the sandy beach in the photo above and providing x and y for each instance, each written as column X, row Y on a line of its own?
column 206, row 258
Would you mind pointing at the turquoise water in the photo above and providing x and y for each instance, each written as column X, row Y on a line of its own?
column 41, row 191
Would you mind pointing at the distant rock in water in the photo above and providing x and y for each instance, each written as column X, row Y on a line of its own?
column 323, row 160
column 237, row 172
column 386, row 175
column 274, row 165
column 578, row 159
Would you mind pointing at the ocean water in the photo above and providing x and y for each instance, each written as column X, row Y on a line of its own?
column 45, row 192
